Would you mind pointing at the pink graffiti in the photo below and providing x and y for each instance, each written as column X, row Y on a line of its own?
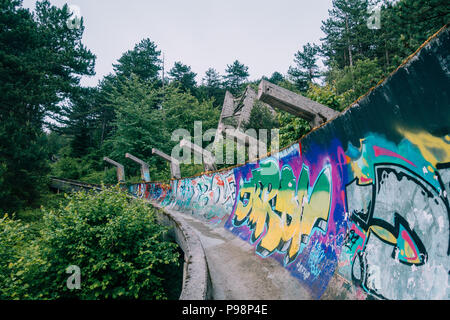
column 385, row 152
column 407, row 238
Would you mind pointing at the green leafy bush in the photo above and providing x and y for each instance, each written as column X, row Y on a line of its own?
column 326, row 95
column 114, row 240
column 108, row 176
column 68, row 168
column 291, row 128
column 12, row 240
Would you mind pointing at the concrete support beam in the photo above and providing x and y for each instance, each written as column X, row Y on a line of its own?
column 120, row 169
column 227, row 111
column 247, row 101
column 295, row 104
column 228, row 105
column 257, row 148
column 208, row 158
column 245, row 139
column 145, row 173
column 174, row 164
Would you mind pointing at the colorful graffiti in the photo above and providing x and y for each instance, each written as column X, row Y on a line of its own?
column 399, row 213
column 154, row 191
column 284, row 208
column 210, row 197
column 281, row 210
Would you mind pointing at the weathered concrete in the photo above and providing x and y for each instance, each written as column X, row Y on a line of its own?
column 68, row 185
column 145, row 173
column 257, row 148
column 120, row 169
column 236, row 111
column 196, row 282
column 295, row 104
column 234, row 273
column 174, row 164
column 207, row 157
column 244, row 105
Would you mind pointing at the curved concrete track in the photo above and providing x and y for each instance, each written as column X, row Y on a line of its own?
column 236, row 272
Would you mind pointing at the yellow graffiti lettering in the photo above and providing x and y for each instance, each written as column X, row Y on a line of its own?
column 283, row 212
column 429, row 145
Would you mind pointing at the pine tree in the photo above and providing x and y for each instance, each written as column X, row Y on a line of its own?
column 236, row 75
column 41, row 61
column 347, row 37
column 276, row 78
column 212, row 87
column 81, row 122
column 183, row 76
column 143, row 61
column 306, row 68
column 212, row 79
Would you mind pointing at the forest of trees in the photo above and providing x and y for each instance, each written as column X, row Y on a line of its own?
column 50, row 125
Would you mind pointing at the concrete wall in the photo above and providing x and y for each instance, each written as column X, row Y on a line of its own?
column 358, row 208
column 196, row 281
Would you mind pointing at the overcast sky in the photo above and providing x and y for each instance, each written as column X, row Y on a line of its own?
column 262, row 34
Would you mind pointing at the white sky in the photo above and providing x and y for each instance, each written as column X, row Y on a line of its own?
column 262, row 34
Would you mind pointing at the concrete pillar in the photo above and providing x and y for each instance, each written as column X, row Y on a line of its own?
column 257, row 148
column 227, row 111
column 245, row 105
column 295, row 104
column 120, row 169
column 174, row 164
column 208, row 158
column 145, row 173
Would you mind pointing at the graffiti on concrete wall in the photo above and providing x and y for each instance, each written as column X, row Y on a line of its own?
column 285, row 208
column 152, row 191
column 378, row 214
column 281, row 210
column 398, row 238
column 210, row 196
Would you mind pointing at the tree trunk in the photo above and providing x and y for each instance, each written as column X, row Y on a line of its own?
column 348, row 42
column 387, row 56
column 350, row 57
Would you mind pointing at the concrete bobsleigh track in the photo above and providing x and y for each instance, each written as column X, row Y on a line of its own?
column 357, row 209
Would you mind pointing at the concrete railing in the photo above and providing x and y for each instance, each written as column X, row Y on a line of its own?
column 68, row 185
column 196, row 280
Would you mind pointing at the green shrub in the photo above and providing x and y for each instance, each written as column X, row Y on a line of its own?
column 68, row 168
column 12, row 239
column 114, row 239
column 108, row 176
